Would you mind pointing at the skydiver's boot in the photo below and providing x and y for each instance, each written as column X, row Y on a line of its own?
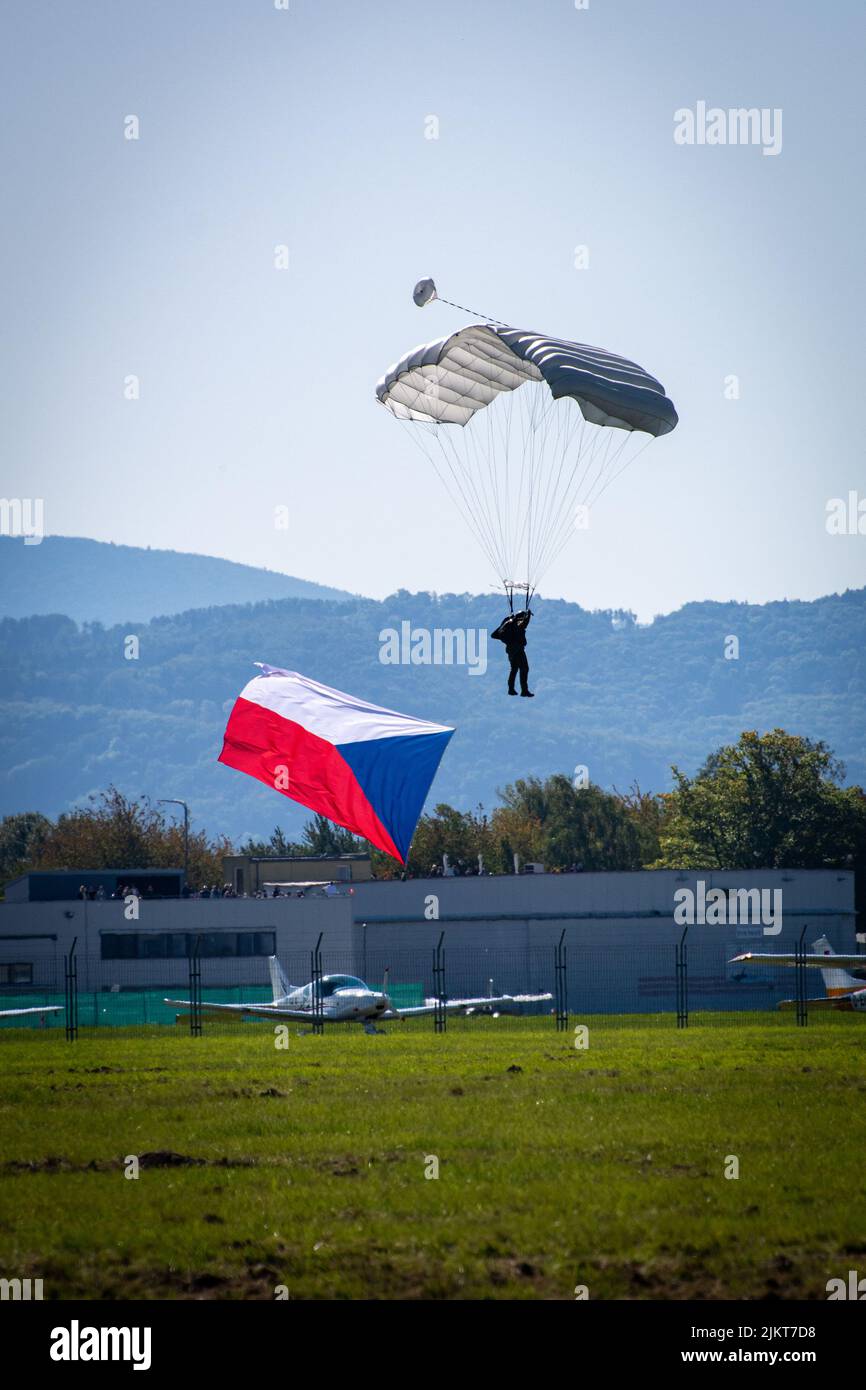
column 527, row 694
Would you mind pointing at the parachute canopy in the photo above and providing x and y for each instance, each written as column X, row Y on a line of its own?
column 450, row 379
column 523, row 474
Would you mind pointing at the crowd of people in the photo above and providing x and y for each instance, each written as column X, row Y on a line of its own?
column 466, row 868
column 270, row 890
column 97, row 892
column 457, row 868
column 273, row 890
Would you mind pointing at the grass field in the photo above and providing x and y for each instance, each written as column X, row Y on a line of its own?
column 305, row 1167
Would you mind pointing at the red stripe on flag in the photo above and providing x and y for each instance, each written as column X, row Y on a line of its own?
column 266, row 746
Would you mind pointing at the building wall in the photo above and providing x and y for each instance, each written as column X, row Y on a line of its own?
column 620, row 936
column 619, row 932
column 51, row 928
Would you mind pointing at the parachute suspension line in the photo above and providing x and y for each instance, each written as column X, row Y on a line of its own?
column 418, row 437
column 560, row 515
column 485, row 498
column 555, row 495
column 563, row 522
column 503, row 439
column 608, row 474
column 488, row 514
column 561, row 518
column 499, row 444
column 489, row 484
column 628, row 463
column 511, row 425
column 535, row 414
column 509, row 497
column 536, row 453
column 473, row 505
column 608, row 460
column 564, row 460
column 529, row 454
column 501, row 425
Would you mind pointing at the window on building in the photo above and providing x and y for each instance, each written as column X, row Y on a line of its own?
column 16, row 973
column 177, row 945
column 256, row 943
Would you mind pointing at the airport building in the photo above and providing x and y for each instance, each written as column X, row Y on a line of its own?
column 619, row 931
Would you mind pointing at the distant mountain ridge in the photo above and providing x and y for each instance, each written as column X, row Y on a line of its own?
column 97, row 581
column 622, row 700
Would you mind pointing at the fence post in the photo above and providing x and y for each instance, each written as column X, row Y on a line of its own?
column 316, row 982
column 195, row 989
column 802, row 988
column 71, row 993
column 682, row 974
column 440, row 1013
column 561, row 985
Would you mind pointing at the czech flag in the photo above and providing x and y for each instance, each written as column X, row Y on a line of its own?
column 367, row 769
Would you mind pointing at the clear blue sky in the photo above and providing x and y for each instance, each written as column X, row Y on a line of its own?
column 556, row 129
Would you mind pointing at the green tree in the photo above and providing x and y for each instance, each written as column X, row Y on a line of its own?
column 462, row 835
column 21, row 839
column 773, row 800
column 646, row 811
column 561, row 825
column 276, row 845
column 322, row 836
column 120, row 832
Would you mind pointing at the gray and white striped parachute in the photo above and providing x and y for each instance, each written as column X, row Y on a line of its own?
column 525, row 431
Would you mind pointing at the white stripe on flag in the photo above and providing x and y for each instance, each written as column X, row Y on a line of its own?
column 330, row 714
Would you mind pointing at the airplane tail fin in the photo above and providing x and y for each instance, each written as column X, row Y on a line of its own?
column 836, row 980
column 280, row 986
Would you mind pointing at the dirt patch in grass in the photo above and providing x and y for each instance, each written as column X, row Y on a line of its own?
column 155, row 1158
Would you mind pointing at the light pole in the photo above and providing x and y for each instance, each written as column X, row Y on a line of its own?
column 173, row 801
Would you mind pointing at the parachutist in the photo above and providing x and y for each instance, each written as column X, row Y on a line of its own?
column 512, row 631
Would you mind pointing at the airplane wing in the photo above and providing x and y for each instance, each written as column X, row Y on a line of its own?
column 500, row 1002
column 249, row 1010
column 855, row 1000
column 19, row 1013
column 826, row 1001
column 819, row 962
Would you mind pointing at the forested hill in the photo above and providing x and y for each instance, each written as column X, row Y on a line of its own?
column 624, row 700
column 93, row 581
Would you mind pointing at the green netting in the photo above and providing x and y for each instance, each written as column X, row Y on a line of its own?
column 136, row 1008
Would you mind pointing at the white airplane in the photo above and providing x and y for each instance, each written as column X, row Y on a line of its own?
column 19, row 1013
column 346, row 999
column 843, row 991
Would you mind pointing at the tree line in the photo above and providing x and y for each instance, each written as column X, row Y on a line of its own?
column 772, row 800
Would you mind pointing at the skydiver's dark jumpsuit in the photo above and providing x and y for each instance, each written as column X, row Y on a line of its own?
column 512, row 631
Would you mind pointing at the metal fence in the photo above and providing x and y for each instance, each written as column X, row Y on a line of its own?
column 668, row 985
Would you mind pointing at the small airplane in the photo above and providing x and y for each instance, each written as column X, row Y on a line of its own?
column 19, row 1013
column 346, row 999
column 843, row 990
